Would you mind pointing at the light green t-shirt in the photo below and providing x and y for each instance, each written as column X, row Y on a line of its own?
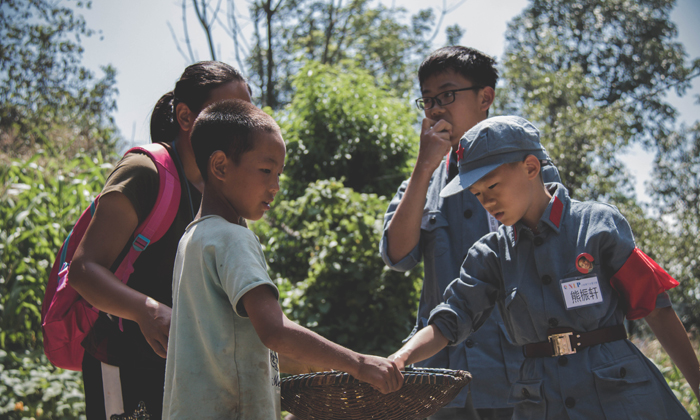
column 217, row 367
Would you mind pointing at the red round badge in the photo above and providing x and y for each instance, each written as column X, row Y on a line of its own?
column 584, row 263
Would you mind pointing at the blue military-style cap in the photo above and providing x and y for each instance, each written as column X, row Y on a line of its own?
column 490, row 144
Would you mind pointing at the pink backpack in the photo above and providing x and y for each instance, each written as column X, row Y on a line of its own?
column 66, row 317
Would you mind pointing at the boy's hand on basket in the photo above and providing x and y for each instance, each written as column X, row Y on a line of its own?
column 398, row 360
column 381, row 373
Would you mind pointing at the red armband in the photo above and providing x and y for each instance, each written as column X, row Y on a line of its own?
column 639, row 281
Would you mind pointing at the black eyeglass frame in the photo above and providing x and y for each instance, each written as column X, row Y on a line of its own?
column 420, row 102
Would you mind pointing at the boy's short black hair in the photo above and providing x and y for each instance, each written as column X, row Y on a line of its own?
column 468, row 62
column 228, row 126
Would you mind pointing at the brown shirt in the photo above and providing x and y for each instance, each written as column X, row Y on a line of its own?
column 136, row 177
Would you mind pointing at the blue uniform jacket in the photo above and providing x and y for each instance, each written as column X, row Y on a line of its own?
column 450, row 226
column 522, row 273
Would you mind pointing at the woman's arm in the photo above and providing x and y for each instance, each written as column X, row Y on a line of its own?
column 672, row 335
column 306, row 347
column 111, row 227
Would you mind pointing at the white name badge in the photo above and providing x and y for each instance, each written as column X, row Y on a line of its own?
column 581, row 292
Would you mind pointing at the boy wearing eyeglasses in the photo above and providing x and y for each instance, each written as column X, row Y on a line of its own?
column 457, row 87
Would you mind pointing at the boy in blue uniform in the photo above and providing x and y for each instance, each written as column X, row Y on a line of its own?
column 228, row 335
column 457, row 87
column 564, row 275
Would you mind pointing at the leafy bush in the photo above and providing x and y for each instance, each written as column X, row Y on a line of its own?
column 30, row 387
column 341, row 124
column 40, row 200
column 38, row 206
column 322, row 250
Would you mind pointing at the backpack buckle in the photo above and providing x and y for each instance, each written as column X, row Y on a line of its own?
column 141, row 243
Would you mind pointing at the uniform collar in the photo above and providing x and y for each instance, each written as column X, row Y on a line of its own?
column 452, row 163
column 552, row 217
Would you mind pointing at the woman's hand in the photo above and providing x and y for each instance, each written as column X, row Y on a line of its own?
column 155, row 325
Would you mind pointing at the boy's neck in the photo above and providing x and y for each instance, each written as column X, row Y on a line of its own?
column 214, row 205
column 539, row 205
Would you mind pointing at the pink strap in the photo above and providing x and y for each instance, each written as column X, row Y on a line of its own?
column 163, row 214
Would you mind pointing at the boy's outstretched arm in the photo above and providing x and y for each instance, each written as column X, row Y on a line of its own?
column 672, row 335
column 425, row 343
column 294, row 367
column 306, row 347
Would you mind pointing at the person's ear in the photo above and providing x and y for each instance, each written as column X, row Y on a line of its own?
column 532, row 166
column 487, row 96
column 185, row 116
column 217, row 164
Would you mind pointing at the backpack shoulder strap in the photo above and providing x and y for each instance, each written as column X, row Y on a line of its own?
column 164, row 210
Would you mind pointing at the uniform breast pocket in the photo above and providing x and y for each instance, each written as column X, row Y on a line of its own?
column 434, row 232
column 625, row 389
column 528, row 399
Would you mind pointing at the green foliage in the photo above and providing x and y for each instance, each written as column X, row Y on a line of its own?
column 340, row 124
column 39, row 203
column 30, row 388
column 322, row 253
column 583, row 141
column 38, row 206
column 47, row 98
column 625, row 49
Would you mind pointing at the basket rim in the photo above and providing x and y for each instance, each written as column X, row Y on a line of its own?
column 411, row 376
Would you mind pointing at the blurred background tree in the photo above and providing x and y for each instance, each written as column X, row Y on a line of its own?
column 48, row 99
column 676, row 191
column 592, row 76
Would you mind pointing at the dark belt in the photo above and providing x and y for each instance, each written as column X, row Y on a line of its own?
column 563, row 341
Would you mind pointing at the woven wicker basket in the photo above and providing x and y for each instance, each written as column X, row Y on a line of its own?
column 337, row 395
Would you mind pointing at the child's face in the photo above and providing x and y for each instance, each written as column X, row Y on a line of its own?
column 464, row 113
column 250, row 186
column 506, row 193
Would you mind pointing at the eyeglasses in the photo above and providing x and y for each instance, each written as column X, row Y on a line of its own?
column 442, row 99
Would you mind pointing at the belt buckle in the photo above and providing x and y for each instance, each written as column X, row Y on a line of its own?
column 561, row 344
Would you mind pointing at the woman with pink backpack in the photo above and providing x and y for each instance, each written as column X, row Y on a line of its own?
column 124, row 358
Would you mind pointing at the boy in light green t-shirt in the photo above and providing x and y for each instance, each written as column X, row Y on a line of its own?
column 227, row 327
